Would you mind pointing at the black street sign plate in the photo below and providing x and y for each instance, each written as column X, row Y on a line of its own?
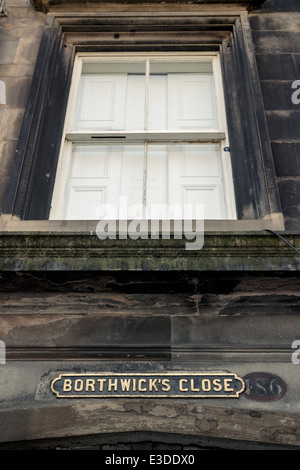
column 161, row 385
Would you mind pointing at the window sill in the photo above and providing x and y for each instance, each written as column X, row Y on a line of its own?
column 67, row 246
column 13, row 224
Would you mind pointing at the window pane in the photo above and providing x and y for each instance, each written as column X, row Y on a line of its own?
column 115, row 181
column 157, row 103
column 179, row 66
column 111, row 96
column 101, row 102
column 177, row 95
column 182, row 94
column 113, row 67
column 99, row 176
column 191, row 102
column 181, row 176
column 135, row 98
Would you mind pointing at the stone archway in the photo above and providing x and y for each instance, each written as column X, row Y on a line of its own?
column 138, row 441
column 145, row 425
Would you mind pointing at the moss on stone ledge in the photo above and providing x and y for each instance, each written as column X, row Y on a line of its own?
column 254, row 251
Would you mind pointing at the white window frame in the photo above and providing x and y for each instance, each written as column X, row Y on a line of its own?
column 70, row 136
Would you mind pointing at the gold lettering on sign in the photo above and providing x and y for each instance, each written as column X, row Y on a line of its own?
column 67, row 385
column 113, row 384
column 125, row 385
column 193, row 388
column 90, row 385
column 166, row 385
column 226, row 385
column 101, row 382
column 217, row 385
column 206, row 385
column 181, row 388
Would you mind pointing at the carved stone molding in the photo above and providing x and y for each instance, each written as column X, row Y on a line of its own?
column 44, row 5
column 221, row 252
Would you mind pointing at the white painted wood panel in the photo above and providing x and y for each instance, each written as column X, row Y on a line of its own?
column 101, row 102
column 191, row 102
column 195, row 177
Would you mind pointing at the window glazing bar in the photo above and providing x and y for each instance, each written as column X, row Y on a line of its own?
column 149, row 136
column 147, row 94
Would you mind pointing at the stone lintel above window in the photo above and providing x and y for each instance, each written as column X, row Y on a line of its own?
column 44, row 5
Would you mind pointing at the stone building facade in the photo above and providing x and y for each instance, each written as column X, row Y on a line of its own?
column 73, row 305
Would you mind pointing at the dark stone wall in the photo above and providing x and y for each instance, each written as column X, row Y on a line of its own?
column 21, row 29
column 281, row 5
column 276, row 39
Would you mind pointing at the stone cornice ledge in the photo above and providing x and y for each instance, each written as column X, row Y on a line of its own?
column 44, row 5
column 234, row 251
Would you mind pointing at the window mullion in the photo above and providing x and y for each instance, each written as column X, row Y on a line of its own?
column 147, row 76
column 145, row 163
